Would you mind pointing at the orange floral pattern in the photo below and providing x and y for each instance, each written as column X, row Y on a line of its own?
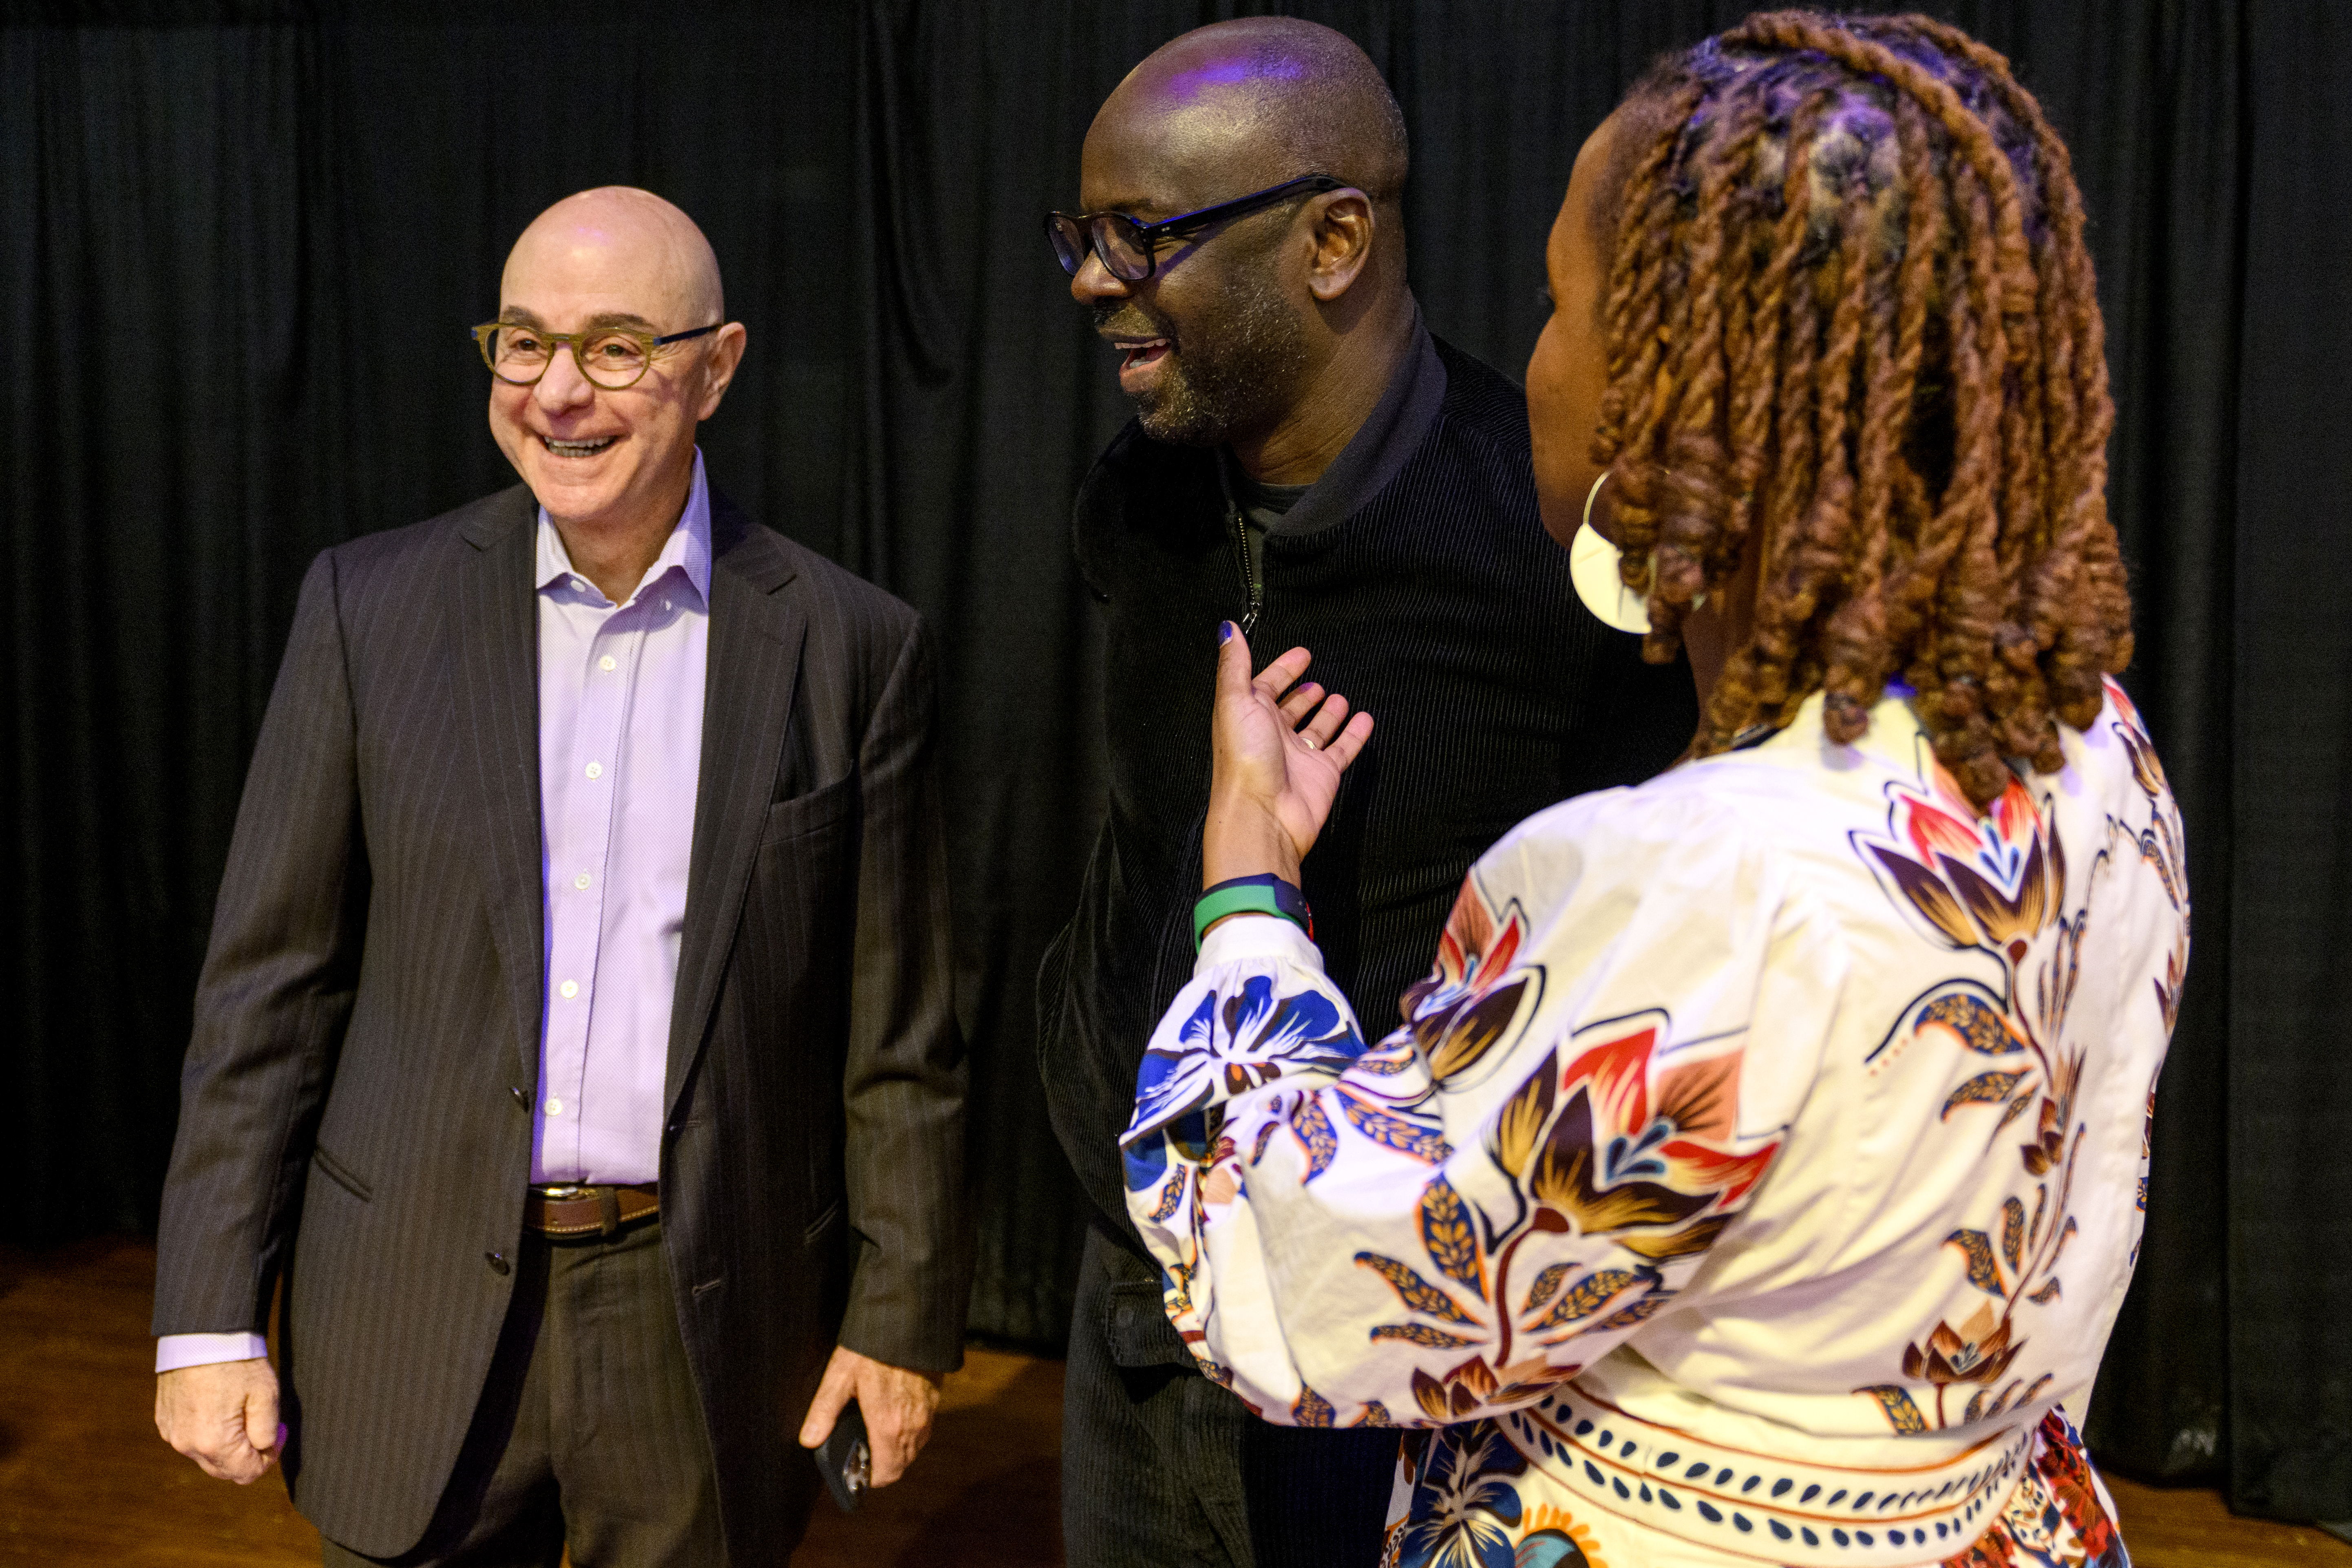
column 1790, row 1042
column 1996, row 883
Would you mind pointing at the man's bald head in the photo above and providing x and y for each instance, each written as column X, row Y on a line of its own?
column 611, row 461
column 1274, row 330
column 1241, row 105
column 621, row 231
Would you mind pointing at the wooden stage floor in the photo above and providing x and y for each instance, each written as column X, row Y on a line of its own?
column 85, row 1481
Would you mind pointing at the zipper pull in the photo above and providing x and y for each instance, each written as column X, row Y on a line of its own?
column 1253, row 582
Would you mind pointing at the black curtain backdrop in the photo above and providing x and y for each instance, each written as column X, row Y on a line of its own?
column 239, row 244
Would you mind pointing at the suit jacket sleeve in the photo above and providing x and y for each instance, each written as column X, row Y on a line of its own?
column 275, row 994
column 904, row 1084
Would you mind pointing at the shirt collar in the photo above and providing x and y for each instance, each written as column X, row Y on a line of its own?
column 1895, row 736
column 687, row 548
column 1392, row 433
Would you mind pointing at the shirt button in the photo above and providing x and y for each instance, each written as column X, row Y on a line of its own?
column 568, row 990
column 595, row 770
column 577, row 583
column 581, row 881
column 555, row 1107
column 608, row 662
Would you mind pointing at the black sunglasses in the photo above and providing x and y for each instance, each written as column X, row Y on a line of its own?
column 1128, row 248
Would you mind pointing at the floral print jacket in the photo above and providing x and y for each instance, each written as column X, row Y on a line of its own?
column 1773, row 1126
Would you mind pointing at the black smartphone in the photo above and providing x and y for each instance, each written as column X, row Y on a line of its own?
column 845, row 1460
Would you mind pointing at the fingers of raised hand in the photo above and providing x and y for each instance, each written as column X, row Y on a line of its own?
column 1316, row 732
column 1301, row 702
column 1347, row 742
column 1282, row 674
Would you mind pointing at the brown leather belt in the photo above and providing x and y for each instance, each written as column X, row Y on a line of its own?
column 578, row 1209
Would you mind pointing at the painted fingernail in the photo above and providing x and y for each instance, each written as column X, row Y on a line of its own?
column 1224, row 631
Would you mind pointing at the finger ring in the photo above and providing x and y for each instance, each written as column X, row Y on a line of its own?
column 1312, row 743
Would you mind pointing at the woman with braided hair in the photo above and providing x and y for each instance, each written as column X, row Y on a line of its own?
column 1759, row 1169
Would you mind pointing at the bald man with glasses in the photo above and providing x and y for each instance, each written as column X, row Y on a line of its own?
column 1309, row 462
column 574, row 1043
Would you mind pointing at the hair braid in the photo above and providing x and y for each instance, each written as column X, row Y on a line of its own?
column 1636, row 284
column 1893, row 496
column 1855, row 631
column 1854, row 329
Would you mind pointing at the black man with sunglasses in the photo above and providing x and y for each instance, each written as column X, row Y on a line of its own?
column 1309, row 463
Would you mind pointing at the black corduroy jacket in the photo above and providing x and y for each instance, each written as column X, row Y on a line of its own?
column 1418, row 574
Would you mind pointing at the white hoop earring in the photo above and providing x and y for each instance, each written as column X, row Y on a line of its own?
column 1594, row 568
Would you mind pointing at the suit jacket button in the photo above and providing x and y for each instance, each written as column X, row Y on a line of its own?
column 497, row 1260
column 522, row 1100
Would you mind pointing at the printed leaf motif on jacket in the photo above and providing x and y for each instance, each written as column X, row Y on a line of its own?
column 1613, row 1167
column 1996, row 884
column 1789, row 1033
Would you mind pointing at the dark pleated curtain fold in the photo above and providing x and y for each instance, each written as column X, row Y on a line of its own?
column 237, row 255
column 171, row 261
column 2287, row 1072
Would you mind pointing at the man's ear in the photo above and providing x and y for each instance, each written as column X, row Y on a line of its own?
column 718, row 370
column 1342, row 225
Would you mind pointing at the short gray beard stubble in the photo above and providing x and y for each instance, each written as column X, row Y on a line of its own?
column 1242, row 376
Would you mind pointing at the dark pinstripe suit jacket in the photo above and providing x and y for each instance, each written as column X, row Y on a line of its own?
column 353, row 1105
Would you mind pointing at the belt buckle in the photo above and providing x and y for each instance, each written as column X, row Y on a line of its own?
column 560, row 1192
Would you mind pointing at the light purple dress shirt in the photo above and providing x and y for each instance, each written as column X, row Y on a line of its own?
column 620, row 758
column 620, row 752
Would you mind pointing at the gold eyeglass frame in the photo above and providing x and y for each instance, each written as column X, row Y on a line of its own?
column 557, row 341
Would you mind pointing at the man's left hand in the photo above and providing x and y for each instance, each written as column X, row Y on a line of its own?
column 897, row 1404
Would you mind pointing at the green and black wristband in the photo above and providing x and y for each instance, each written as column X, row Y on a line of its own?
column 1264, row 895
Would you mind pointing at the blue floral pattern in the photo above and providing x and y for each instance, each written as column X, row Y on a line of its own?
column 1679, row 1044
column 1243, row 1040
column 1464, row 1501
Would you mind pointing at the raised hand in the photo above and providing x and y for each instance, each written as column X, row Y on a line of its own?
column 1280, row 745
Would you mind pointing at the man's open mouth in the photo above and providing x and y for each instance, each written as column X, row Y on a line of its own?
column 587, row 448
column 1138, row 351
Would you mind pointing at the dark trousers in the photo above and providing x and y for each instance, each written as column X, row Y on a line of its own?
column 589, row 1433
column 1160, row 1466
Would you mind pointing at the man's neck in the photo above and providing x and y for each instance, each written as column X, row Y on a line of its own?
column 616, row 553
column 1341, row 397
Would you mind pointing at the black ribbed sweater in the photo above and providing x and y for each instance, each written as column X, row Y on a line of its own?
column 1418, row 574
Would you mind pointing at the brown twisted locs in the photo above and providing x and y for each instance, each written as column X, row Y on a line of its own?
column 1851, row 324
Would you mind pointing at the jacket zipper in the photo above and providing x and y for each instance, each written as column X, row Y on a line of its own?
column 1252, row 578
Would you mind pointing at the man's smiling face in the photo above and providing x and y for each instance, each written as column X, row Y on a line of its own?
column 1211, row 344
column 588, row 454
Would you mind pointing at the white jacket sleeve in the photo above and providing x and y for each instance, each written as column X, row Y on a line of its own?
column 1513, row 1183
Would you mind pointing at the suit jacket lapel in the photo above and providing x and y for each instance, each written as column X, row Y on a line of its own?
column 756, row 634
column 497, row 687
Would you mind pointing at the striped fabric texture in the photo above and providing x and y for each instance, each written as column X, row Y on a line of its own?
column 1418, row 574
column 1417, row 571
column 354, row 1106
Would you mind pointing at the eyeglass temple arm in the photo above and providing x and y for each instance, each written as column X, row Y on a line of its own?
column 1242, row 207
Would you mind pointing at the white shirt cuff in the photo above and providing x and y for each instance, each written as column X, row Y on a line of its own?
column 1250, row 935
column 174, row 1352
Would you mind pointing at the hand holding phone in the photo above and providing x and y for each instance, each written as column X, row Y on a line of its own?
column 846, row 1460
